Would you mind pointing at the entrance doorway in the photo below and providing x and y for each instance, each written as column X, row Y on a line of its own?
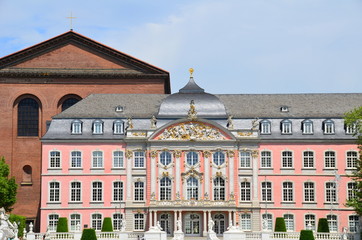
column 219, row 226
column 165, row 222
column 192, row 224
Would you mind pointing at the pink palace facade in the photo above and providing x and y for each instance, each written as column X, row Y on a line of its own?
column 194, row 156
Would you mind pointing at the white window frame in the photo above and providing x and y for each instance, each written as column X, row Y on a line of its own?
column 117, row 221
column 245, row 159
column 74, row 221
column 351, row 190
column 165, row 189
column 96, row 222
column 351, row 129
column 307, row 126
column 309, row 219
column 245, row 191
column 286, row 127
column 118, row 159
column 76, row 161
column 289, row 222
column 97, row 191
column 266, row 191
column 269, row 218
column 76, row 127
column 55, row 160
column 139, row 222
column 192, row 158
column 265, row 127
column 98, row 127
column 97, row 160
column 218, row 158
column 351, row 161
column 54, row 192
column 53, row 222
column 330, row 192
column 328, row 127
column 139, row 159
column 139, row 191
column 353, row 223
column 117, row 191
column 332, row 222
column 288, row 191
column 219, row 189
column 266, row 161
column 330, row 161
column 192, row 189
column 75, row 192
column 308, row 159
column 245, row 221
column 118, row 127
column 287, row 159
column 165, row 158
column 309, row 193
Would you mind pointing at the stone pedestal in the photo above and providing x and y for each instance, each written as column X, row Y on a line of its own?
column 178, row 235
column 212, row 236
column 265, row 235
column 123, row 235
column 234, row 235
column 155, row 235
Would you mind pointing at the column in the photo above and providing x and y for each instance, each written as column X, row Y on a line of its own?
column 255, row 184
column 231, row 173
column 174, row 220
column 230, row 218
column 207, row 155
column 155, row 218
column 234, row 218
column 129, row 156
column 204, row 233
column 177, row 156
column 150, row 218
column 153, row 173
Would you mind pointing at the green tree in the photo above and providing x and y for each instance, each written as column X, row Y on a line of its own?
column 280, row 225
column 62, row 225
column 306, row 235
column 107, row 225
column 89, row 234
column 353, row 119
column 323, row 225
column 8, row 187
column 20, row 220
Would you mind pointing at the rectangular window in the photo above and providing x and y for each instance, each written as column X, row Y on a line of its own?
column 351, row 129
column 118, row 127
column 307, row 127
column 139, row 222
column 287, row 192
column 117, row 219
column 328, row 127
column 55, row 159
column 97, row 222
column 97, row 161
column 308, row 159
column 139, row 191
column 74, row 221
column 309, row 222
column 76, row 159
column 245, row 191
column 97, row 192
column 245, row 222
column 352, row 157
column 117, row 159
column 265, row 158
column 98, row 127
column 75, row 192
column 287, row 127
column 309, row 192
column 269, row 220
column 54, row 192
column 289, row 222
column 53, row 222
column 332, row 223
column 287, row 159
column 139, row 159
column 245, row 159
column 351, row 190
column 353, row 223
column 329, row 159
column 266, row 191
column 117, row 191
column 265, row 127
column 331, row 193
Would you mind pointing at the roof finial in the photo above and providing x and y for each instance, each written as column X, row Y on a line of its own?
column 191, row 70
column 71, row 21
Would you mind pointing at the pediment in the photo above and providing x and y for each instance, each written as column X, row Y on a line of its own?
column 191, row 131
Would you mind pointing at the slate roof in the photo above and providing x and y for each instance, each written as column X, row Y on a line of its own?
column 332, row 105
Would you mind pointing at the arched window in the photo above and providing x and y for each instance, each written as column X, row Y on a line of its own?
column 77, row 127
column 332, row 222
column 328, row 127
column 69, row 102
column 118, row 127
column 192, row 158
column 165, row 158
column 307, row 126
column 27, row 174
column 286, row 127
column 219, row 189
column 28, row 117
column 74, row 221
column 96, row 221
column 245, row 191
column 265, row 127
column 53, row 222
column 219, row 158
column 192, row 188
column 269, row 220
column 165, row 189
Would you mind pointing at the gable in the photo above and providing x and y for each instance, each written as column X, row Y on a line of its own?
column 69, row 56
column 191, row 131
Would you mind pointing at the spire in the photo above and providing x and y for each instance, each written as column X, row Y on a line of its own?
column 191, row 86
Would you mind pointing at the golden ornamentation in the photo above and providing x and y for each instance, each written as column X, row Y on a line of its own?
column 207, row 154
column 230, row 154
column 245, row 134
column 139, row 134
column 191, row 131
column 191, row 70
column 129, row 153
column 153, row 153
column 218, row 174
column 192, row 114
column 255, row 153
column 177, row 153
column 165, row 174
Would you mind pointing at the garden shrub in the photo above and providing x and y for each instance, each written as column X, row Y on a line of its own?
column 323, row 225
column 62, row 225
column 88, row 234
column 107, row 225
column 306, row 235
column 280, row 225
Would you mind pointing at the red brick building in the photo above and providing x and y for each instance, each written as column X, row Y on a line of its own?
column 41, row 81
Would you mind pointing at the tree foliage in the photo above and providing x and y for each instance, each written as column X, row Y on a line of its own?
column 8, row 187
column 323, row 225
column 62, row 225
column 107, row 225
column 280, row 225
column 89, row 234
column 20, row 220
column 306, row 235
column 354, row 118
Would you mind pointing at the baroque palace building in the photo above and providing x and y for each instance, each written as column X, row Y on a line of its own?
column 195, row 156
column 40, row 81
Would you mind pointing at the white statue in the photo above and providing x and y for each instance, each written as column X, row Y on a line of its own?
column 344, row 236
column 179, row 225
column 230, row 124
column 265, row 224
column 153, row 122
column 158, row 225
column 16, row 231
column 6, row 228
column 123, row 225
column 211, row 225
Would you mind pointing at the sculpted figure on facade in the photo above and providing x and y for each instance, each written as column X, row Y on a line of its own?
column 153, row 122
column 192, row 111
column 255, row 124
column 129, row 123
column 123, row 225
column 230, row 124
column 211, row 225
column 6, row 228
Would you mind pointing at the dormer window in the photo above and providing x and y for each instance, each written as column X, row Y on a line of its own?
column 351, row 129
column 328, row 127
column 118, row 127
column 284, row 109
column 119, row 109
column 307, row 127
column 265, row 127
column 286, row 127
column 97, row 127
column 76, row 127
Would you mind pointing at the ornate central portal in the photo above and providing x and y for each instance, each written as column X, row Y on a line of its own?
column 192, row 225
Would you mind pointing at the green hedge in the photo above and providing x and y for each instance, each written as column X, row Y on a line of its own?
column 107, row 225
column 306, row 235
column 62, row 225
column 323, row 225
column 20, row 220
column 89, row 234
column 280, row 225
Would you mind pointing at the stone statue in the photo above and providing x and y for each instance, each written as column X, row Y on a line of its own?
column 192, row 112
column 153, row 122
column 158, row 225
column 265, row 224
column 179, row 225
column 123, row 225
column 211, row 225
column 129, row 123
column 344, row 235
column 255, row 124
column 7, row 230
column 16, row 231
column 230, row 124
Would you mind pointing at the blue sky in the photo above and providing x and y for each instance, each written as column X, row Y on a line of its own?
column 235, row 46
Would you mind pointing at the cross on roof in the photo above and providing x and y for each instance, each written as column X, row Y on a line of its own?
column 71, row 20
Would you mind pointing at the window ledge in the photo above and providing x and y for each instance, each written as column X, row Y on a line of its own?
column 309, row 169
column 92, row 202
column 118, row 168
column 53, row 203
column 286, row 168
column 73, row 203
column 101, row 168
column 26, row 184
